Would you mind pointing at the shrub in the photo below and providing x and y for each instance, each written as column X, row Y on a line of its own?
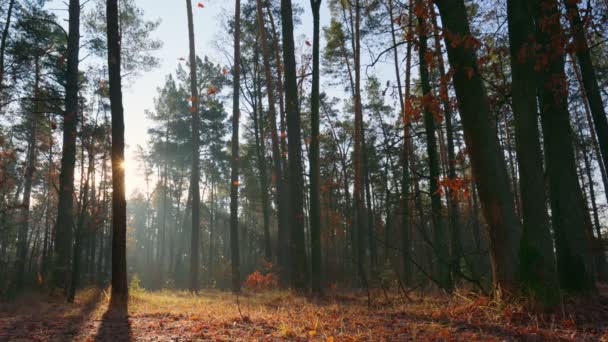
column 258, row 282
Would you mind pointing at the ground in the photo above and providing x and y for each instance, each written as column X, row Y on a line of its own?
column 268, row 316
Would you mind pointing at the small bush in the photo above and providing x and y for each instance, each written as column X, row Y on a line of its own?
column 258, row 282
column 135, row 285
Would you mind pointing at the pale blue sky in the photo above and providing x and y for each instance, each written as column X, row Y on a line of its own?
column 139, row 94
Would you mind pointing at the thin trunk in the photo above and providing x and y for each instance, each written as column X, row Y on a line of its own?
column 195, row 173
column 260, row 143
column 28, row 180
column 234, row 177
column 7, row 27
column 591, row 88
column 315, row 205
column 440, row 239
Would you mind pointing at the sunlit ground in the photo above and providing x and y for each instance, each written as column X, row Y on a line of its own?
column 214, row 316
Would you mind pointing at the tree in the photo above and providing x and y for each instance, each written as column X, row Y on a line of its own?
column 315, row 210
column 589, row 78
column 120, row 288
column 234, row 177
column 569, row 217
column 64, row 226
column 5, row 31
column 537, row 260
column 489, row 166
column 439, row 232
column 195, row 177
column 299, row 268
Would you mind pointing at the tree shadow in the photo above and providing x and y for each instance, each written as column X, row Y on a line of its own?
column 56, row 319
column 115, row 325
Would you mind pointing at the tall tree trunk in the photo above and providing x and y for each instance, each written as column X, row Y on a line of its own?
column 276, row 152
column 455, row 240
column 407, row 217
column 195, row 173
column 591, row 87
column 480, row 134
column 315, row 205
column 65, row 212
column 597, row 247
column 28, row 180
column 574, row 263
column 299, row 269
column 120, row 289
column 80, row 225
column 537, row 259
column 260, row 143
column 440, row 239
column 234, row 177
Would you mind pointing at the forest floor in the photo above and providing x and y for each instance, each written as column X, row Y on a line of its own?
column 215, row 316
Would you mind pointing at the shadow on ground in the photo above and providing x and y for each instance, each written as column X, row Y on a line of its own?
column 115, row 325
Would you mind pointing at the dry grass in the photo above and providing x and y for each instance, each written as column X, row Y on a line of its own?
column 279, row 315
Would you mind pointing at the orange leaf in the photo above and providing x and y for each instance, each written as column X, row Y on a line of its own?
column 225, row 71
column 211, row 90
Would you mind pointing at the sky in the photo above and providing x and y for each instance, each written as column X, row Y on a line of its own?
column 139, row 94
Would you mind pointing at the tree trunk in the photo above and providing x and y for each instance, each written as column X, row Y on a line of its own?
column 65, row 212
column 28, row 180
column 480, row 134
column 195, row 173
column 567, row 206
column 234, row 177
column 315, row 205
column 120, row 289
column 299, row 269
column 537, row 260
column 440, row 239
column 260, row 143
column 407, row 217
column 591, row 88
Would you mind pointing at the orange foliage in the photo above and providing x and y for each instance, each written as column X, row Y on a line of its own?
column 258, row 282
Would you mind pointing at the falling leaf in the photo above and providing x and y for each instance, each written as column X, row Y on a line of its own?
column 225, row 71
column 307, row 42
column 200, row 5
column 182, row 59
column 235, row 183
column 211, row 90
